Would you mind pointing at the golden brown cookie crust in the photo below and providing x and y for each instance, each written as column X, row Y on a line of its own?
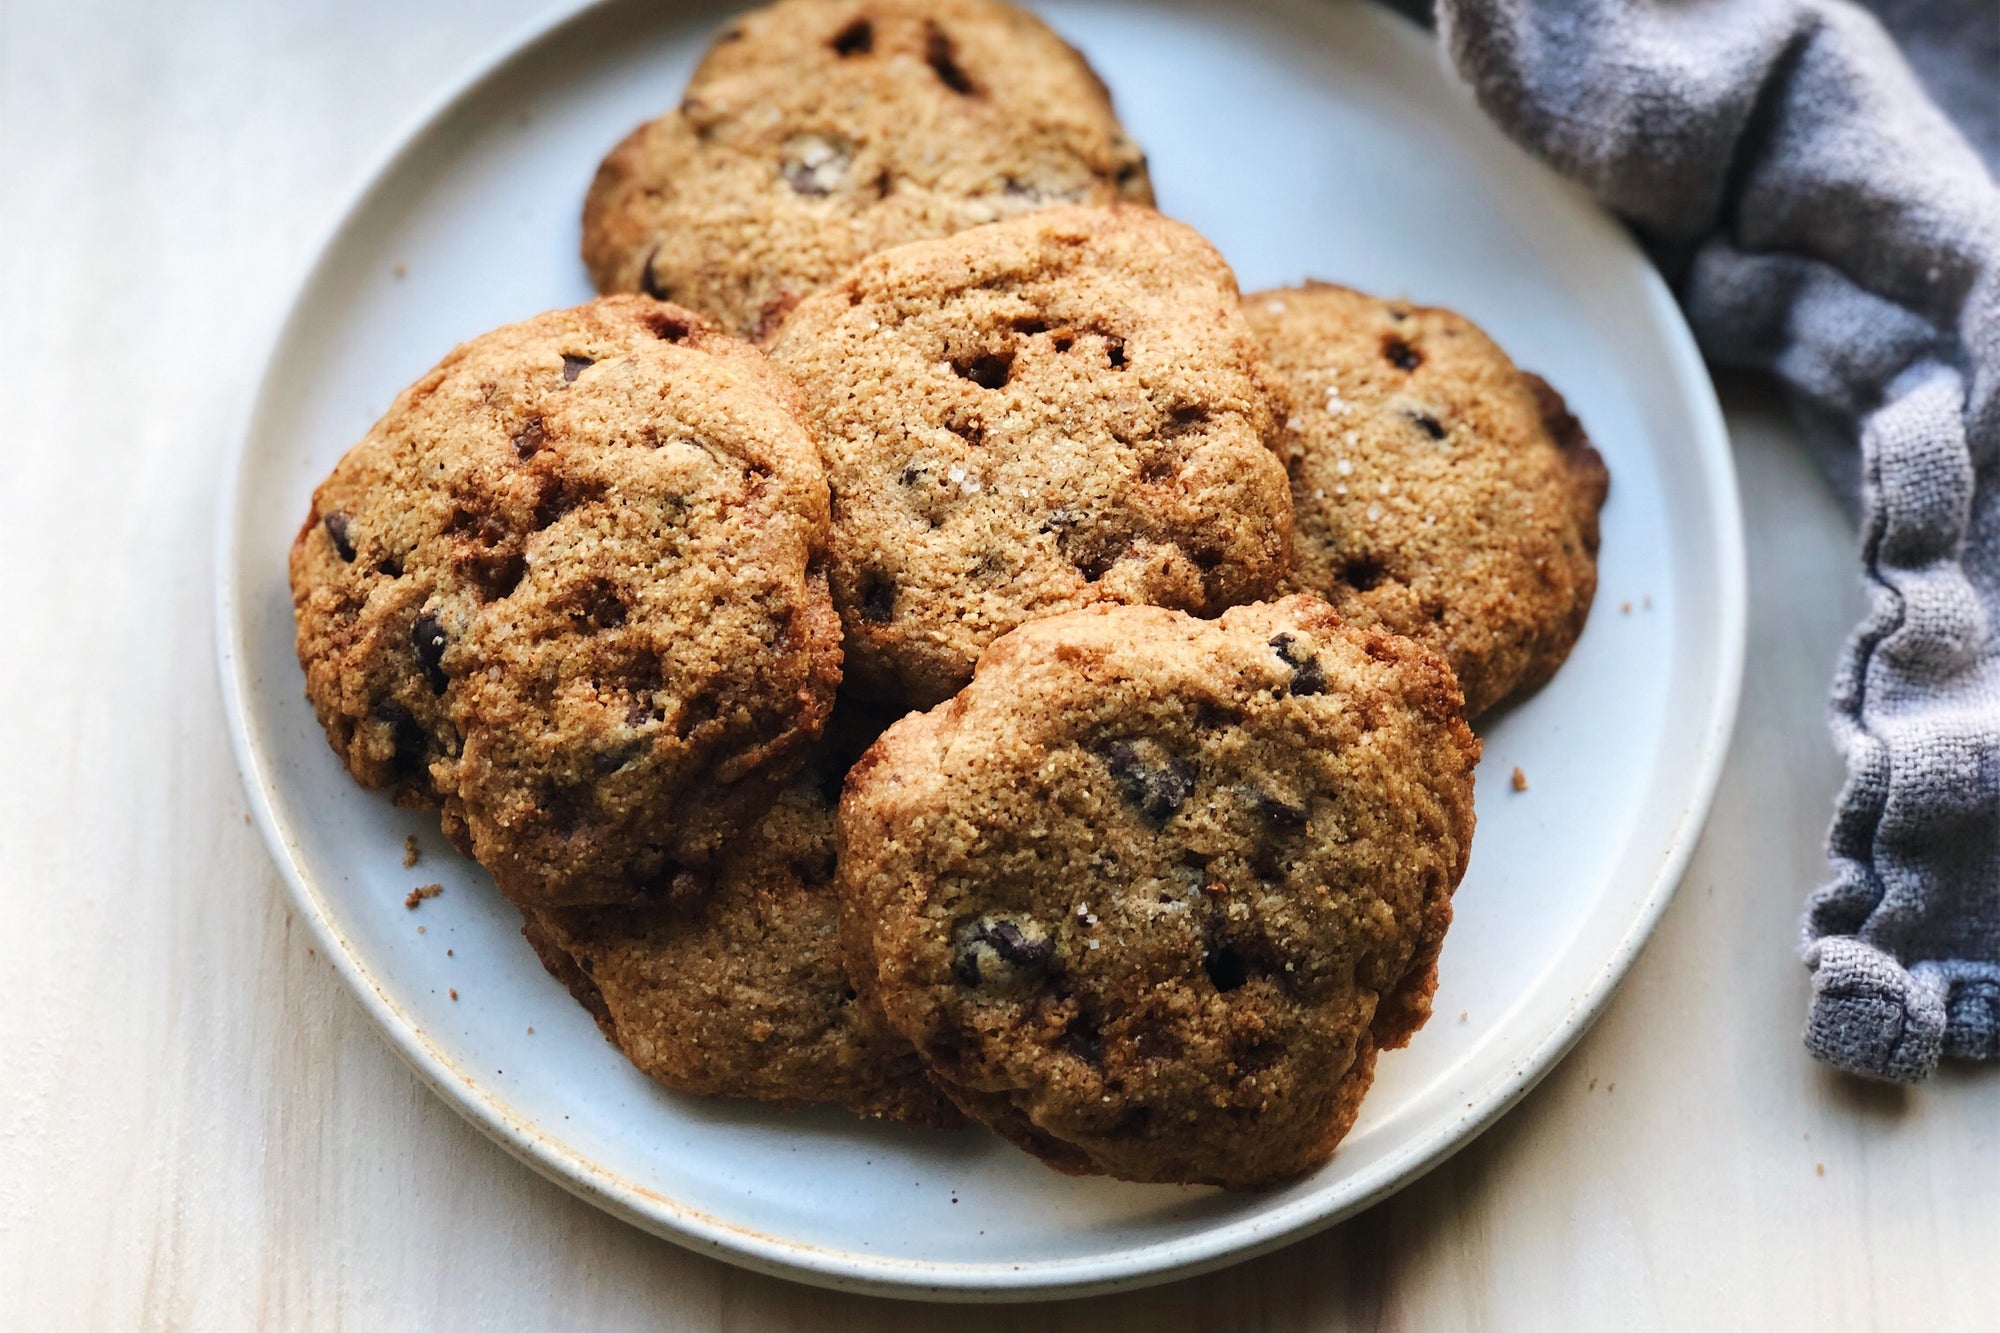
column 1437, row 490
column 1032, row 417
column 1149, row 893
column 569, row 591
column 742, row 992
column 817, row 132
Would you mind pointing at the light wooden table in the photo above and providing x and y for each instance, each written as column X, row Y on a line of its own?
column 199, row 1130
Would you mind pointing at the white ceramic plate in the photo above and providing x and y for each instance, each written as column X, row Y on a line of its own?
column 1305, row 138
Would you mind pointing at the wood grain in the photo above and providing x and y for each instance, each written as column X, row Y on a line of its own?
column 201, row 1131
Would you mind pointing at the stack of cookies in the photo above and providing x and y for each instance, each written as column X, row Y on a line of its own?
column 922, row 642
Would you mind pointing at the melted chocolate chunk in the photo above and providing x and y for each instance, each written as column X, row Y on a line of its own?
column 856, row 39
column 1156, row 782
column 648, row 284
column 1400, row 354
column 1307, row 678
column 1003, row 940
column 336, row 531
column 428, row 639
column 942, row 57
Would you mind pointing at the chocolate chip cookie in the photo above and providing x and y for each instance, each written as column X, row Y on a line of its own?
column 1031, row 417
column 742, row 993
column 569, row 591
column 1150, row 893
column 1438, row 491
column 817, row 132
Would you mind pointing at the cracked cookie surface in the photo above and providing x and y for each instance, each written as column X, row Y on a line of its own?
column 1150, row 893
column 817, row 132
column 1031, row 417
column 569, row 592
column 742, row 992
column 1437, row 490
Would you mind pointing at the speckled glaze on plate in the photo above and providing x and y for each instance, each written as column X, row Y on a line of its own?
column 1306, row 139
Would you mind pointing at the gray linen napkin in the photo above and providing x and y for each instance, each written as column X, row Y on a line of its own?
column 1823, row 219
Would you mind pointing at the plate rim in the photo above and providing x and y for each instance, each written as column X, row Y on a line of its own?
column 1144, row 1264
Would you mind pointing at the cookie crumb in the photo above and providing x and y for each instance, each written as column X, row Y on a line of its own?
column 447, row 953
column 1464, row 1014
column 411, row 854
column 1520, row 779
column 246, row 816
column 1819, row 1168
column 454, row 992
column 420, row 930
column 421, row 892
column 1625, row 608
column 401, row 270
column 531, row 1032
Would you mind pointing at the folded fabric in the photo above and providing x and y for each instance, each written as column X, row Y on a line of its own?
column 1823, row 219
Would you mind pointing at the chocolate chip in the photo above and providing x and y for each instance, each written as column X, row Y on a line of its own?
column 1307, row 677
column 648, row 283
column 427, row 638
column 1016, row 947
column 856, row 39
column 336, row 531
column 574, row 366
column 1001, row 939
column 940, row 55
column 815, row 164
column 1156, row 782
column 411, row 745
column 989, row 370
column 1400, row 354
column 1425, row 422
column 528, row 441
column 1225, row 968
column 878, row 600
